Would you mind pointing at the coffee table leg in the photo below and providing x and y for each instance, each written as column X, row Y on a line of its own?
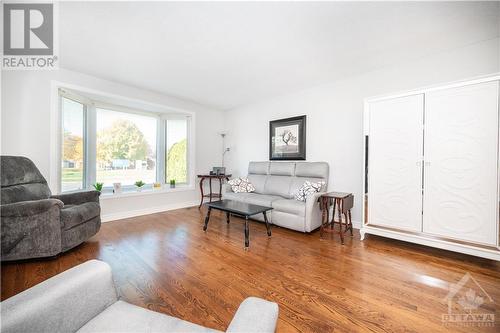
column 227, row 217
column 206, row 219
column 247, row 241
column 268, row 227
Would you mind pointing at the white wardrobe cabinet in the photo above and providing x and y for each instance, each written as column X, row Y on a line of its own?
column 431, row 159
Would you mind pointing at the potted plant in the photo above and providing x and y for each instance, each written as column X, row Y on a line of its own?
column 172, row 183
column 98, row 186
column 139, row 185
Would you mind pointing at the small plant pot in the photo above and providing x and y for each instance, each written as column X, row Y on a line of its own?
column 139, row 189
column 172, row 185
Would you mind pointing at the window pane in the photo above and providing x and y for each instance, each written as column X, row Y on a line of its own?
column 72, row 177
column 126, row 148
column 176, row 150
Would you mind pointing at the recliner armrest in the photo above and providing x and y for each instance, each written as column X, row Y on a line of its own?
column 29, row 208
column 254, row 315
column 77, row 198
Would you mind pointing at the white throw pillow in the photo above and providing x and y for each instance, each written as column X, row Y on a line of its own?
column 241, row 185
column 307, row 189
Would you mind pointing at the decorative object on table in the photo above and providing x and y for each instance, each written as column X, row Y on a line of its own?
column 344, row 203
column 287, row 139
column 98, row 186
column 36, row 224
column 241, row 185
column 219, row 171
column 172, row 183
column 211, row 195
column 307, row 189
column 241, row 209
column 117, row 188
column 139, row 185
column 156, row 186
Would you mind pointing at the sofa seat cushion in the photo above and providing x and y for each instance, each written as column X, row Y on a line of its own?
column 235, row 196
column 290, row 206
column 261, row 199
column 73, row 215
column 125, row 317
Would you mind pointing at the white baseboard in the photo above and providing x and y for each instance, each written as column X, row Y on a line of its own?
column 147, row 211
column 164, row 208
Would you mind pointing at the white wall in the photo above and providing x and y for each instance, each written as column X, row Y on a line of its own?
column 335, row 112
column 26, row 130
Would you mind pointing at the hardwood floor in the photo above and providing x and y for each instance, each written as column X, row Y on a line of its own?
column 165, row 262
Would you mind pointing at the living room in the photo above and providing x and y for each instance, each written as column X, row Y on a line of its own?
column 250, row 166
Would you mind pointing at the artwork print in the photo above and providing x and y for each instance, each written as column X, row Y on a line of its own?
column 287, row 139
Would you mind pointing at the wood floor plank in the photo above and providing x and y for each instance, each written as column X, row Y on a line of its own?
column 165, row 262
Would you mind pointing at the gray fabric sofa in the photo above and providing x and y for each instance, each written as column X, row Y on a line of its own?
column 84, row 299
column 37, row 224
column 275, row 185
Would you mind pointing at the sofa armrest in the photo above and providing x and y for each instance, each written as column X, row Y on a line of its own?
column 63, row 303
column 28, row 208
column 77, row 198
column 313, row 213
column 255, row 315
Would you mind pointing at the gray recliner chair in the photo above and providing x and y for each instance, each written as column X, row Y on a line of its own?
column 36, row 224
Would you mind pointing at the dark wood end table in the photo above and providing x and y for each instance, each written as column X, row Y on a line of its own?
column 344, row 203
column 241, row 209
column 211, row 195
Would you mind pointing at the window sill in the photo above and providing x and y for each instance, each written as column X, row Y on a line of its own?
column 146, row 192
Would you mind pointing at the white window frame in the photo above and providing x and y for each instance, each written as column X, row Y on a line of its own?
column 160, row 112
column 164, row 119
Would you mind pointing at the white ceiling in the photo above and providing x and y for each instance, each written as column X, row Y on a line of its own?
column 227, row 54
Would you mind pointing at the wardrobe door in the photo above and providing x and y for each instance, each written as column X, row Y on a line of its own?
column 460, row 174
column 395, row 163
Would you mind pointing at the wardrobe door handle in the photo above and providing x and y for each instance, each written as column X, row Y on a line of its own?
column 427, row 164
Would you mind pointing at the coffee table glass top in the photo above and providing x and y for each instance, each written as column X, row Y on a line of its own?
column 239, row 208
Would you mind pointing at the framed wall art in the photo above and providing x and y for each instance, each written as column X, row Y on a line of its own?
column 287, row 139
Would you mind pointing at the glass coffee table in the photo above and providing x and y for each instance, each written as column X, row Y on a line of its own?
column 242, row 209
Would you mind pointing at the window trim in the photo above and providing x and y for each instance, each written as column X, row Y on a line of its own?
column 86, row 149
column 147, row 108
column 164, row 119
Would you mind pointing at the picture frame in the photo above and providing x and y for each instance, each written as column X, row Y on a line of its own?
column 287, row 139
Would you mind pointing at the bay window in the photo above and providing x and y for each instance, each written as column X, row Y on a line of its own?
column 109, row 144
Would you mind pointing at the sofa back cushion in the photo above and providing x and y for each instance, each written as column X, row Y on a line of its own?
column 309, row 171
column 278, row 185
column 282, row 169
column 258, row 168
column 21, row 180
column 258, row 181
column 285, row 178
